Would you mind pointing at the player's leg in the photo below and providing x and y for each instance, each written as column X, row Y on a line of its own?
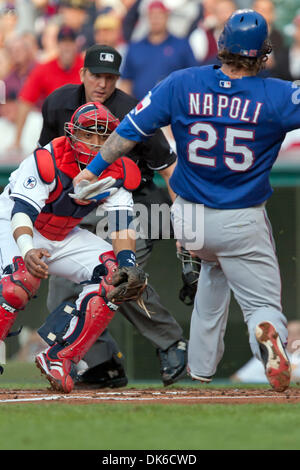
column 61, row 290
column 17, row 285
column 162, row 330
column 103, row 365
column 104, row 361
column 71, row 335
column 255, row 280
column 71, row 332
column 240, row 240
column 208, row 322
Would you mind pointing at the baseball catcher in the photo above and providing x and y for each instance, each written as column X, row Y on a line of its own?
column 39, row 236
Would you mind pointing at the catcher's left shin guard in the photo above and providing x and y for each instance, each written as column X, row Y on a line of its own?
column 16, row 289
column 83, row 327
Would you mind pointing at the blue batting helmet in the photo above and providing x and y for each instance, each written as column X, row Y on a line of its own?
column 244, row 33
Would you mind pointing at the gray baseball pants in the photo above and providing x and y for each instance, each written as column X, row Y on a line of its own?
column 238, row 256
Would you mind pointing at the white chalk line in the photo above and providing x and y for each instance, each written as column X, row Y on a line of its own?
column 108, row 396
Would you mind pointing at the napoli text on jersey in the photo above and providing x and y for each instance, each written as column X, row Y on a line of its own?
column 228, row 132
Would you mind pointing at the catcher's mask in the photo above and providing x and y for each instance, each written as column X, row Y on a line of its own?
column 93, row 118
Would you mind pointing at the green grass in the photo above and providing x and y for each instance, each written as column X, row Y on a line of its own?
column 133, row 427
column 56, row 426
column 21, row 375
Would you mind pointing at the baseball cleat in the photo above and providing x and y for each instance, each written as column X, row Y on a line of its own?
column 201, row 378
column 57, row 372
column 276, row 362
column 173, row 362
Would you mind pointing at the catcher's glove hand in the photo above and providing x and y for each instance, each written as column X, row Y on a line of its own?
column 130, row 282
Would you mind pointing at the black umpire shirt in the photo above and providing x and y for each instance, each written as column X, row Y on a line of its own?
column 155, row 154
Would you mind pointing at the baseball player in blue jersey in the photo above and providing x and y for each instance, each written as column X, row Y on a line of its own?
column 228, row 124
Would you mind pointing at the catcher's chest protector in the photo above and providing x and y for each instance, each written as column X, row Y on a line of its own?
column 60, row 214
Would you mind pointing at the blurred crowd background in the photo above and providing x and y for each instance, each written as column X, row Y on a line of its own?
column 43, row 42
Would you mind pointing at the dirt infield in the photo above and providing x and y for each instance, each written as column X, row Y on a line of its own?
column 148, row 395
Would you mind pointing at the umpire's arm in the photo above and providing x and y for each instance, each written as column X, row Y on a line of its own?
column 49, row 130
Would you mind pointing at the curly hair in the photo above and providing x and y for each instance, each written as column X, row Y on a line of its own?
column 249, row 64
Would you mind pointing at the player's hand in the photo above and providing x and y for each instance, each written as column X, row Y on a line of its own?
column 178, row 249
column 85, row 192
column 85, row 175
column 178, row 245
column 35, row 264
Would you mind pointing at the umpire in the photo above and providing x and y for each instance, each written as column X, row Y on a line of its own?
column 99, row 77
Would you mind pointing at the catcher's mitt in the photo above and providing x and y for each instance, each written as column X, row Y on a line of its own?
column 130, row 282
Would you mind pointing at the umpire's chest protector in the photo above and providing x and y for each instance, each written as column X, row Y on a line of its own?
column 61, row 213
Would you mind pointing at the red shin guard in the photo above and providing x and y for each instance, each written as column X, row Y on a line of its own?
column 16, row 290
column 97, row 312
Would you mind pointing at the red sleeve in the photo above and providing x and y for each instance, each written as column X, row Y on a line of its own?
column 126, row 170
column 32, row 88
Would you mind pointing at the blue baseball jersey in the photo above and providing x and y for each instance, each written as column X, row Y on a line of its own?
column 228, row 132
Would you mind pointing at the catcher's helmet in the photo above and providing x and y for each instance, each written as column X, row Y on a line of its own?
column 92, row 117
column 244, row 33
